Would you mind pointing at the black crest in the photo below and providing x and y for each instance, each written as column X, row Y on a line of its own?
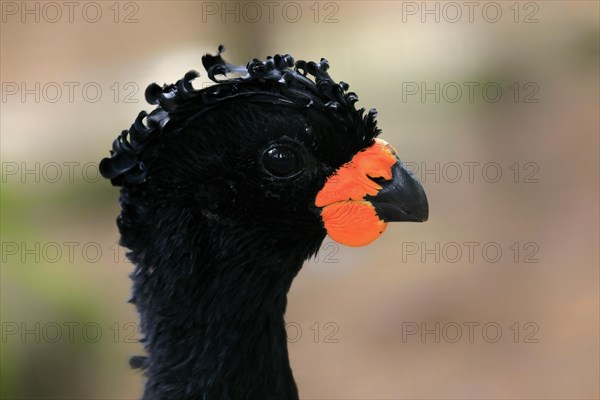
column 277, row 80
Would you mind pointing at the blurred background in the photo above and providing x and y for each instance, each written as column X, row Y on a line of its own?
column 493, row 105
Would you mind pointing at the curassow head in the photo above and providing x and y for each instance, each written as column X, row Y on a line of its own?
column 226, row 190
column 271, row 154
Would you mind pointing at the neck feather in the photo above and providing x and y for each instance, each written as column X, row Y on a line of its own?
column 214, row 324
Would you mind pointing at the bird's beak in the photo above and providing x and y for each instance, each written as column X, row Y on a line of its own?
column 367, row 192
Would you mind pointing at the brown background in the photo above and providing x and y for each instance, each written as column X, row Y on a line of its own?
column 363, row 298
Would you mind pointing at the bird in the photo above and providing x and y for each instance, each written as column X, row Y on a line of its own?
column 225, row 191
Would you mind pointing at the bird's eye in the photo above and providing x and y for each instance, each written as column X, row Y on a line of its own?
column 282, row 162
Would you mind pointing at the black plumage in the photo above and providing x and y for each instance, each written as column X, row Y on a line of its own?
column 218, row 213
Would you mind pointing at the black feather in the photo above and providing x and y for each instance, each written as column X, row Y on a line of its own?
column 216, row 240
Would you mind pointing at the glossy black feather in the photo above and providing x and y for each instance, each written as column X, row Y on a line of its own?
column 215, row 238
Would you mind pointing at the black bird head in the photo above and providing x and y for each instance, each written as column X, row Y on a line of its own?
column 227, row 189
column 271, row 149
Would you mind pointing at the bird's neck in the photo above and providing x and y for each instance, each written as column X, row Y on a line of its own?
column 217, row 330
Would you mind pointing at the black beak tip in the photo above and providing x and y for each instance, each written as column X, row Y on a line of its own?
column 422, row 210
column 416, row 208
column 401, row 199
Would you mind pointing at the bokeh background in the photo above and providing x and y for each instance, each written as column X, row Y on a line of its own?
column 429, row 310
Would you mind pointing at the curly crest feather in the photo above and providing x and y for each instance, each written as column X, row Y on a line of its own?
column 277, row 80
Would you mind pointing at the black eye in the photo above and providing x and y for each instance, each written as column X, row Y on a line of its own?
column 282, row 162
